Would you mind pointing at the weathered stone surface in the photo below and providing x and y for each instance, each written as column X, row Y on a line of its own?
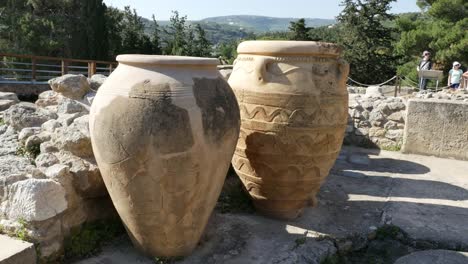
column 48, row 98
column 8, row 140
column 46, row 160
column 96, row 81
column 69, row 106
column 67, row 119
column 434, row 257
column 14, row 251
column 5, row 104
column 8, row 96
column 374, row 91
column 396, row 116
column 11, row 164
column 75, row 138
column 48, row 147
column 394, row 134
column 87, row 177
column 71, row 86
column 51, row 125
column 27, row 132
column 376, row 132
column 89, row 98
column 34, row 200
column 24, row 115
column 444, row 132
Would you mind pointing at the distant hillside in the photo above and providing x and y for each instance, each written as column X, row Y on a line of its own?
column 228, row 28
column 262, row 24
column 215, row 32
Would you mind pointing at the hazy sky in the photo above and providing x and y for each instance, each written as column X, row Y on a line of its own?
column 198, row 9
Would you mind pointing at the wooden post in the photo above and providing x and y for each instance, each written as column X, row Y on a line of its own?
column 33, row 69
column 399, row 85
column 64, row 67
column 396, row 86
column 91, row 68
column 110, row 68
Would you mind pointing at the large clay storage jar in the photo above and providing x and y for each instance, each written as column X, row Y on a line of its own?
column 163, row 130
column 293, row 102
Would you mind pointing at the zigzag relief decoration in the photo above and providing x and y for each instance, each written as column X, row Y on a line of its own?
column 293, row 171
column 331, row 114
column 309, row 143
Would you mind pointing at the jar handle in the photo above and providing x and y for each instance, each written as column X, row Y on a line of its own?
column 260, row 69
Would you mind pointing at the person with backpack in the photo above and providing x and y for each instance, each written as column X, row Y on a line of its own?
column 424, row 64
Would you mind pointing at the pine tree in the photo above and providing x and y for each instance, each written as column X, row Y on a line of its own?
column 299, row 30
column 367, row 42
column 202, row 45
column 155, row 41
column 176, row 43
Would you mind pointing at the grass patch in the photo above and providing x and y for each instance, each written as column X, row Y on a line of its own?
column 299, row 241
column 335, row 259
column 21, row 232
column 30, row 153
column 167, row 260
column 89, row 239
column 2, row 122
column 390, row 232
column 396, row 147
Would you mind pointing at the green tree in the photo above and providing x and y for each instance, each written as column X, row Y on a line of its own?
column 299, row 30
column 114, row 18
column 441, row 28
column 176, row 43
column 367, row 42
column 155, row 37
column 88, row 27
column 202, row 45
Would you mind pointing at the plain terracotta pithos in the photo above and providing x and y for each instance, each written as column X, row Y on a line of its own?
column 293, row 102
column 163, row 131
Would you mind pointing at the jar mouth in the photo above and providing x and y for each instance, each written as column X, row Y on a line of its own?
column 166, row 60
column 289, row 48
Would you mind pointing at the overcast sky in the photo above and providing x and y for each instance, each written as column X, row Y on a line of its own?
column 199, row 9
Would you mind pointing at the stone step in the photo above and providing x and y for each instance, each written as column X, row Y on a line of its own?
column 14, row 251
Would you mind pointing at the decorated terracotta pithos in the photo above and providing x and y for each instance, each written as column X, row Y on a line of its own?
column 163, row 131
column 293, row 101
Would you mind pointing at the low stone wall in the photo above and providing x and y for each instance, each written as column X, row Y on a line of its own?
column 375, row 121
column 437, row 127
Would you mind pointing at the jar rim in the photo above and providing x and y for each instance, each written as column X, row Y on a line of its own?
column 165, row 60
column 289, row 47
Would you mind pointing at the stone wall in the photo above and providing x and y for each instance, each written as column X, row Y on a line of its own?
column 375, row 121
column 49, row 180
column 437, row 127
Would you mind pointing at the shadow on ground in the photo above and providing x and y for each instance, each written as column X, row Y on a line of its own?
column 424, row 196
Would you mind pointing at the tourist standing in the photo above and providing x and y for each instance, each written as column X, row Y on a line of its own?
column 455, row 75
column 424, row 64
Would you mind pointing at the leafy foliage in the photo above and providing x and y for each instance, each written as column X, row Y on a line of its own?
column 299, row 30
column 441, row 28
column 367, row 42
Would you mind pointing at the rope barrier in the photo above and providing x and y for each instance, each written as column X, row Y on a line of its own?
column 380, row 84
column 405, row 78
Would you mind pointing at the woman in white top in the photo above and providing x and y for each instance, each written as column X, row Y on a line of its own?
column 455, row 75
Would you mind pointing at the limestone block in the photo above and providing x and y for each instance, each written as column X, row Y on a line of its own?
column 14, row 251
column 96, row 81
column 35, row 200
column 437, row 127
column 24, row 115
column 71, row 86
